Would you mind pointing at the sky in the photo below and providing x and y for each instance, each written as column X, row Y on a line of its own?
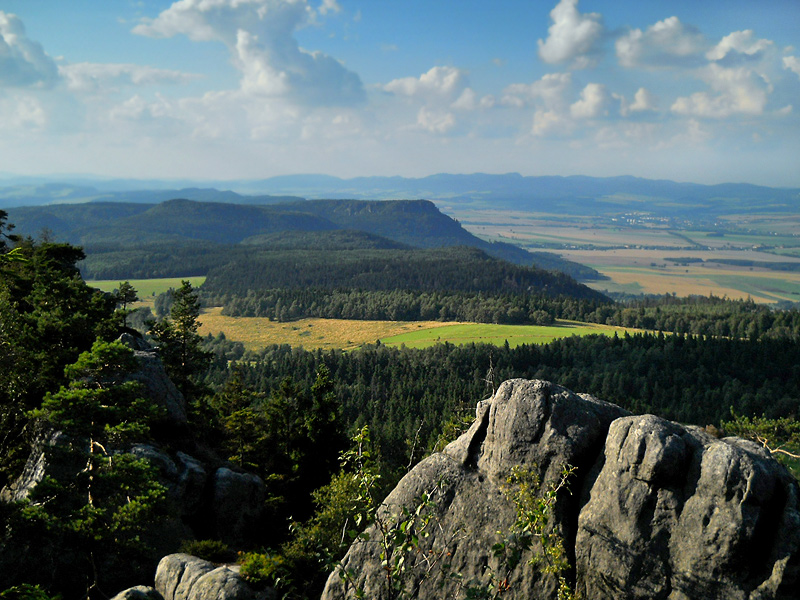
column 707, row 92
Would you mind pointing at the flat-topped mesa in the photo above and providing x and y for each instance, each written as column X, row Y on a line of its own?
column 654, row 510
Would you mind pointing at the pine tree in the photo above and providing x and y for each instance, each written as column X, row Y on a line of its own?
column 179, row 343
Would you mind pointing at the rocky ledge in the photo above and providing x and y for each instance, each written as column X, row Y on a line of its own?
column 654, row 510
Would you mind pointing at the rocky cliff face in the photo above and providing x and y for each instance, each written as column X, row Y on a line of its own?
column 656, row 509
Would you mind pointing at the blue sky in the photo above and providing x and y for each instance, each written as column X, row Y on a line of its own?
column 226, row 89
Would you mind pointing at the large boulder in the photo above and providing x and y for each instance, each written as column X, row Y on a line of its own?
column 656, row 509
column 185, row 577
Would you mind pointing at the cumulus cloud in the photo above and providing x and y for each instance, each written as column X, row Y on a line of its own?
column 435, row 121
column 572, row 36
column 736, row 91
column 469, row 100
column 549, row 91
column 792, row 63
column 93, row 77
column 444, row 82
column 643, row 100
column 740, row 42
column 593, row 102
column 550, row 123
column 668, row 43
column 260, row 36
column 23, row 62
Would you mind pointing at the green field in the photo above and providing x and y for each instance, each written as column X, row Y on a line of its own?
column 147, row 288
column 498, row 334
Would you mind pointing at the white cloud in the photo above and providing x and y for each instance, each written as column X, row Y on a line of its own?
column 665, row 44
column 329, row 6
column 741, row 42
column 643, row 100
column 792, row 63
column 447, row 82
column 23, row 62
column 549, row 90
column 550, row 123
column 93, row 77
column 21, row 114
column 435, row 121
column 737, row 91
column 468, row 100
column 572, row 36
column 260, row 36
column 593, row 102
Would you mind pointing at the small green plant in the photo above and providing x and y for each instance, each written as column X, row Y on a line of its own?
column 532, row 526
column 211, row 550
column 262, row 570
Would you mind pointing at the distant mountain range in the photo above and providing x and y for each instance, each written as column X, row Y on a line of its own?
column 571, row 195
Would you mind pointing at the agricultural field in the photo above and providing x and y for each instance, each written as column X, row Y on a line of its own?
column 256, row 333
column 638, row 254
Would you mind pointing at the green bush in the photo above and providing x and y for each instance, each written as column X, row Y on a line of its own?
column 262, row 570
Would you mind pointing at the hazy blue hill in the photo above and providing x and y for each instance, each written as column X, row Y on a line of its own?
column 65, row 220
column 38, row 194
column 574, row 194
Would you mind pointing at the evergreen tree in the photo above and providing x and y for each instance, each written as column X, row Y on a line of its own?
column 179, row 343
column 125, row 295
column 97, row 499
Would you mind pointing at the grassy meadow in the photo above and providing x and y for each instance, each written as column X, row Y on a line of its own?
column 257, row 332
column 148, row 289
column 466, row 333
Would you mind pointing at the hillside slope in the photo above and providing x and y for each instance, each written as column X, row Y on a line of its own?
column 415, row 223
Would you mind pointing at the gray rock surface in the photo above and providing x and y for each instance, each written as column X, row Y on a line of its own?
column 140, row 592
column 185, row 577
column 657, row 509
column 238, row 504
column 39, row 464
column 157, row 385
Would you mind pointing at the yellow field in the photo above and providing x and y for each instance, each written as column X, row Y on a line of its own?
column 256, row 333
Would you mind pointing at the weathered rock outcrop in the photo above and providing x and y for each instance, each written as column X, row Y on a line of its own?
column 185, row 577
column 156, row 384
column 657, row 509
column 139, row 592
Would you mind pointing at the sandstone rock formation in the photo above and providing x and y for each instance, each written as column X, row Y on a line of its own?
column 185, row 577
column 139, row 592
column 155, row 382
column 656, row 509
